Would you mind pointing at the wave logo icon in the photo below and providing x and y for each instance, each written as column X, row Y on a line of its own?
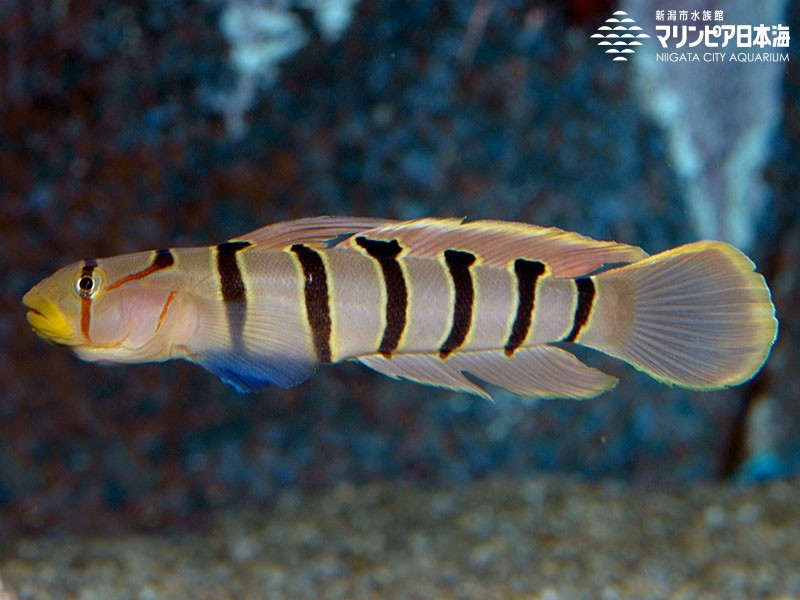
column 620, row 33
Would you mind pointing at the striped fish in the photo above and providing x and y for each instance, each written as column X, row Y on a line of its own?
column 428, row 300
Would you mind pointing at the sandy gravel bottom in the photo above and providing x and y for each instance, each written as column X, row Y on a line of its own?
column 546, row 538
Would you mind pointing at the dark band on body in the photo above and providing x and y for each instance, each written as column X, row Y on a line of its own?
column 386, row 254
column 317, row 300
column 585, row 287
column 527, row 272
column 458, row 263
column 233, row 289
column 89, row 265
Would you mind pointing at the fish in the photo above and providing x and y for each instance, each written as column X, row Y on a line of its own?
column 439, row 301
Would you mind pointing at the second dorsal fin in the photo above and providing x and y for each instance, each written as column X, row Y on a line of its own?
column 497, row 243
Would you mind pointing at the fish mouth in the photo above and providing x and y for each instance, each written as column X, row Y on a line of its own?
column 47, row 320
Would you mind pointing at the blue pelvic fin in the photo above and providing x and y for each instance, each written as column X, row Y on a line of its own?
column 250, row 374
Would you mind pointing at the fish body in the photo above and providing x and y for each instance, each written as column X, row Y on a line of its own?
column 426, row 300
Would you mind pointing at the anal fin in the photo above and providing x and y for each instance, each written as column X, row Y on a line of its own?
column 537, row 372
column 426, row 368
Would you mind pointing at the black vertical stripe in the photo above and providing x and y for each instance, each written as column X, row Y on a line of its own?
column 585, row 287
column 527, row 272
column 89, row 265
column 230, row 277
column 233, row 289
column 396, row 292
column 317, row 301
column 459, row 262
column 163, row 259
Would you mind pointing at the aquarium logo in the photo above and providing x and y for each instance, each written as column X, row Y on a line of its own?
column 621, row 33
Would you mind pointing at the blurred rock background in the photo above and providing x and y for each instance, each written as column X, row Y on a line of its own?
column 135, row 125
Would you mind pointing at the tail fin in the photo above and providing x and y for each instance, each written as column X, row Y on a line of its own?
column 699, row 316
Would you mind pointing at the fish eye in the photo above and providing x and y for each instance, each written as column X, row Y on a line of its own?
column 87, row 284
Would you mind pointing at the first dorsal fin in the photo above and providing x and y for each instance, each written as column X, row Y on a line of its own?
column 497, row 243
column 313, row 231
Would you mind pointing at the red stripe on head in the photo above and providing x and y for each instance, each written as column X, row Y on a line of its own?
column 162, row 260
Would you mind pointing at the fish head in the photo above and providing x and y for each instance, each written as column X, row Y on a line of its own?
column 104, row 309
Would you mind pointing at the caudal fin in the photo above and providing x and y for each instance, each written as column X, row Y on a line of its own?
column 697, row 316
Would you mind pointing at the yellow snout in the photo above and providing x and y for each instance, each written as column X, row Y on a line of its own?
column 47, row 319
